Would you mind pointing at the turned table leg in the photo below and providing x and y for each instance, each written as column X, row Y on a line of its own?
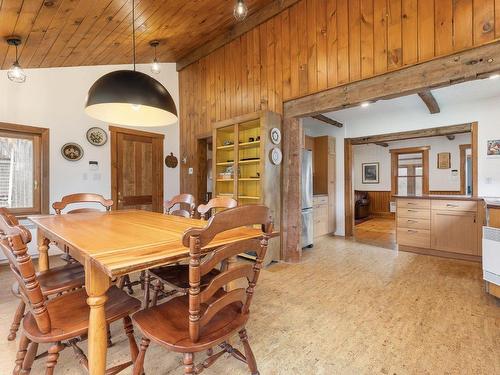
column 96, row 285
column 43, row 250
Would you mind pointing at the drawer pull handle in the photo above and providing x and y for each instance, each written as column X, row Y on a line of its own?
column 451, row 205
column 410, row 203
column 412, row 221
column 412, row 231
column 412, row 211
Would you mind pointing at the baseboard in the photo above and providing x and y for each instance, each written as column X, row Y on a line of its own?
column 439, row 253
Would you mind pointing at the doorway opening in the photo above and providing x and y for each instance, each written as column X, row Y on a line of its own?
column 204, row 176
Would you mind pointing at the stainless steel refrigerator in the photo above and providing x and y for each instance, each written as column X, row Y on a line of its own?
column 307, row 199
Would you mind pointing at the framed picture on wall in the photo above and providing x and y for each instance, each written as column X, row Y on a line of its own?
column 370, row 173
column 493, row 147
column 444, row 160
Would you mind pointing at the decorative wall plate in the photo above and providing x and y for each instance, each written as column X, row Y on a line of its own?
column 275, row 136
column 276, row 156
column 97, row 136
column 72, row 151
column 171, row 161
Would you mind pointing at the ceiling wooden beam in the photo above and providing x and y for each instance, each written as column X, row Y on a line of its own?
column 430, row 101
column 260, row 16
column 382, row 144
column 440, row 72
column 450, row 137
column 328, row 120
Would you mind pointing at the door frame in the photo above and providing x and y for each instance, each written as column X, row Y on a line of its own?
column 157, row 142
column 424, row 150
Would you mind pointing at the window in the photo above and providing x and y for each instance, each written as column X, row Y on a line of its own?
column 410, row 171
column 23, row 169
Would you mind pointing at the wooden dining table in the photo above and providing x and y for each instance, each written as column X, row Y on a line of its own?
column 113, row 244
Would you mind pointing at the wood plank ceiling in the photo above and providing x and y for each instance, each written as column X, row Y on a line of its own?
column 98, row 32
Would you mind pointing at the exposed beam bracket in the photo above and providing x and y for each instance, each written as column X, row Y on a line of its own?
column 450, row 137
column 382, row 144
column 430, row 101
column 328, row 120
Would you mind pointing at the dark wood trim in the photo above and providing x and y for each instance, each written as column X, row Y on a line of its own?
column 382, row 144
column 463, row 157
column 439, row 72
column 140, row 133
column 44, row 173
column 475, row 152
column 240, row 28
column 328, row 120
column 413, row 134
column 430, row 101
column 409, row 150
column 348, row 188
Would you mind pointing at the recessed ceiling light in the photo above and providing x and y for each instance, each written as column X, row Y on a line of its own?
column 494, row 76
column 365, row 104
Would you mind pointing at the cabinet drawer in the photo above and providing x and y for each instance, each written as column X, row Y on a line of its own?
column 414, row 237
column 321, row 199
column 414, row 203
column 454, row 205
column 404, row 222
column 320, row 227
column 414, row 213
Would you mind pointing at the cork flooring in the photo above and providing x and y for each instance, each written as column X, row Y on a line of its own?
column 348, row 308
column 377, row 231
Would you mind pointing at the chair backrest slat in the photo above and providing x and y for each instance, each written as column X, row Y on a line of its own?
column 13, row 242
column 214, row 203
column 82, row 198
column 202, row 304
column 183, row 200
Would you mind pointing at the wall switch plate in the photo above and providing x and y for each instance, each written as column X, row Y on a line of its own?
column 190, row 170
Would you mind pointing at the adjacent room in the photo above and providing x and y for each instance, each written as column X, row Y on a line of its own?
column 272, row 187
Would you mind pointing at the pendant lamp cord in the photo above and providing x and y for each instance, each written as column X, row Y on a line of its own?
column 133, row 30
column 17, row 59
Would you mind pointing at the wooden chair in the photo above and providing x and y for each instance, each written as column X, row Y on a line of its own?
column 207, row 317
column 176, row 276
column 63, row 320
column 183, row 200
column 52, row 282
column 220, row 202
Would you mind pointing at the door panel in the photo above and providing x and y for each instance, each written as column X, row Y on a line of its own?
column 454, row 232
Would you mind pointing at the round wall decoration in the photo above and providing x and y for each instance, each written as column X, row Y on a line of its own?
column 275, row 136
column 72, row 151
column 97, row 136
column 171, row 161
column 276, row 156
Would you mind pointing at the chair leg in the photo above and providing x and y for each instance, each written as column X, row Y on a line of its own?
column 129, row 331
column 18, row 316
column 21, row 354
column 252, row 364
column 29, row 359
column 108, row 332
column 53, row 357
column 145, row 302
column 189, row 363
column 158, row 287
column 139, row 362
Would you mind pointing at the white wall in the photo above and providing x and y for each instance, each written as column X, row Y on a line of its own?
column 439, row 179
column 54, row 98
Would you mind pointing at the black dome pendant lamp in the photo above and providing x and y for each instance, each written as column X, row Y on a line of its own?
column 129, row 97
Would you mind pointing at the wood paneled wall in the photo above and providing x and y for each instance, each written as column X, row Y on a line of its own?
column 319, row 44
column 379, row 202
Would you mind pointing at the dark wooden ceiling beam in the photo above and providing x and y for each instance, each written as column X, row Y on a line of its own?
column 328, row 120
column 440, row 72
column 262, row 15
column 430, row 101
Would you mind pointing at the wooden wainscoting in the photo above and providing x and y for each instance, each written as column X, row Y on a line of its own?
column 379, row 203
column 444, row 192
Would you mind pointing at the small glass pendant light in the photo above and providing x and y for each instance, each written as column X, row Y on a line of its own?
column 155, row 66
column 240, row 10
column 15, row 73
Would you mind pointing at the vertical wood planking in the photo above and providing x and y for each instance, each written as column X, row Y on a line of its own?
column 228, row 80
column 244, row 74
column 303, row 46
column 264, row 81
column 444, row 26
column 394, row 47
column 286, row 54
column 462, row 24
column 366, row 38
column 484, row 16
column 278, row 65
column 380, row 36
column 332, row 42
column 312, row 58
column 497, row 18
column 271, row 77
column 294, row 51
column 425, row 29
column 256, row 68
column 321, row 42
column 343, row 41
column 409, row 31
column 354, row 40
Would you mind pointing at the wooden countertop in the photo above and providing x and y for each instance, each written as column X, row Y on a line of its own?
column 447, row 197
column 492, row 202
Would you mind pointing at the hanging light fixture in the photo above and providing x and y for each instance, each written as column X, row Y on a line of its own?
column 240, row 10
column 129, row 97
column 15, row 73
column 155, row 66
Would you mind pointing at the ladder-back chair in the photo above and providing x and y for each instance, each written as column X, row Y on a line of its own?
column 205, row 210
column 183, row 200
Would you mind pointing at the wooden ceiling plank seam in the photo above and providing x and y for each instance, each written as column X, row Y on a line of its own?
column 9, row 12
column 38, row 31
column 105, row 25
column 61, row 26
column 87, row 22
column 124, row 39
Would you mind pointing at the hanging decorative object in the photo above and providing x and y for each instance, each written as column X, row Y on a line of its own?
column 155, row 66
column 72, row 151
column 240, row 10
column 15, row 73
column 97, row 136
column 275, row 136
column 129, row 97
column 171, row 161
column 276, row 156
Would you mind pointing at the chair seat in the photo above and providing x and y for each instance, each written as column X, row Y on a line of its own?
column 177, row 275
column 58, row 279
column 69, row 314
column 167, row 324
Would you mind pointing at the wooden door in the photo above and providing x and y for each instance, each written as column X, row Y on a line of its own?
column 454, row 231
column 137, row 169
